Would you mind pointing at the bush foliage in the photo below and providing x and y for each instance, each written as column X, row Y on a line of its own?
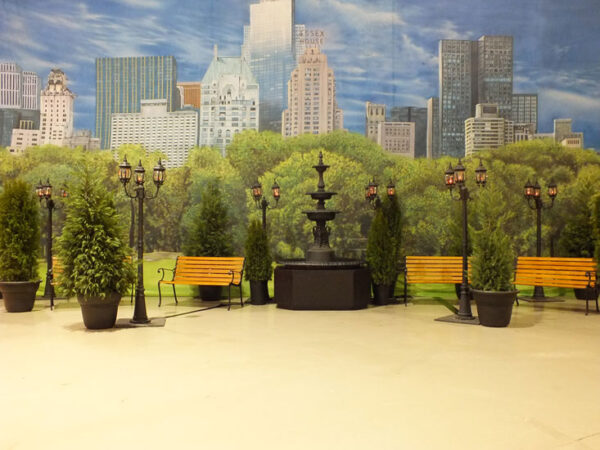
column 259, row 264
column 210, row 234
column 19, row 232
column 92, row 248
column 381, row 257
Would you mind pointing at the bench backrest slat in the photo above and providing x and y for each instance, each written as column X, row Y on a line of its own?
column 434, row 269
column 208, row 270
column 555, row 272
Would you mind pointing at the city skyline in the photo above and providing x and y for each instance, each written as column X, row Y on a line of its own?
column 382, row 51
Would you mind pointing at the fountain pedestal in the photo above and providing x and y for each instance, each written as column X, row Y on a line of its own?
column 322, row 281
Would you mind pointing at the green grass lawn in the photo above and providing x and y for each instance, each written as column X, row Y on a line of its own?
column 420, row 293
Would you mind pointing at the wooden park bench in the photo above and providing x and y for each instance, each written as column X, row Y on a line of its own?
column 575, row 273
column 433, row 270
column 205, row 271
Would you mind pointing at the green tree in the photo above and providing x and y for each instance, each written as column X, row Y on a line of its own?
column 258, row 256
column 380, row 251
column 92, row 247
column 19, row 232
column 210, row 235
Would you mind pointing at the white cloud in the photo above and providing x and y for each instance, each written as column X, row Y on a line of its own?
column 145, row 4
column 570, row 101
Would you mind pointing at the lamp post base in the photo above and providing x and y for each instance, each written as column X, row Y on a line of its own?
column 455, row 318
column 154, row 322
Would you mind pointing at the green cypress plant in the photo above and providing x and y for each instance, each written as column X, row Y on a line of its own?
column 380, row 251
column 596, row 223
column 493, row 257
column 19, row 232
column 258, row 256
column 210, row 234
column 93, row 248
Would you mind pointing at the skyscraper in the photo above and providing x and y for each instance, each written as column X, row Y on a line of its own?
column 433, row 127
column 472, row 72
column 311, row 97
column 19, row 99
column 56, row 110
column 495, row 73
column 419, row 117
column 525, row 110
column 270, row 50
column 230, row 96
column 458, row 92
column 397, row 137
column 374, row 114
column 121, row 83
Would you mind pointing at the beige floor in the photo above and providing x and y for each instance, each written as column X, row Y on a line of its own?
column 258, row 377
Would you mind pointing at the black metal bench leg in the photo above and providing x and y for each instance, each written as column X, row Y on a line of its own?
column 587, row 300
column 517, row 300
column 175, row 294
column 405, row 290
column 597, row 310
column 229, row 295
column 242, row 300
column 159, row 295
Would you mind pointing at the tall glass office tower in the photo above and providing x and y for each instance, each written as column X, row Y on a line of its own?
column 270, row 50
column 472, row 72
column 121, row 83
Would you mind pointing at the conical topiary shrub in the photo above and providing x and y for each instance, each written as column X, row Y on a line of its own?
column 19, row 246
column 210, row 234
column 381, row 257
column 259, row 264
column 93, row 251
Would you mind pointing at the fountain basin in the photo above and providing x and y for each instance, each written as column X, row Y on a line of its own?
column 335, row 285
column 320, row 214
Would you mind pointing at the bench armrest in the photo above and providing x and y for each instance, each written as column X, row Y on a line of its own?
column 163, row 273
column 233, row 273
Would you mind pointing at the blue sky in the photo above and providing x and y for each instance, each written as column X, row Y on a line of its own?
column 380, row 50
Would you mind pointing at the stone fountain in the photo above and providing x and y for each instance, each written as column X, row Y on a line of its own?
column 322, row 281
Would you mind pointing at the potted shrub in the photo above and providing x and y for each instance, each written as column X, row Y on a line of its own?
column 93, row 251
column 393, row 214
column 19, row 244
column 259, row 264
column 492, row 266
column 209, row 234
column 381, row 258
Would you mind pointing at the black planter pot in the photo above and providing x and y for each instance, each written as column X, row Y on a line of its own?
column 584, row 293
column 99, row 314
column 211, row 293
column 259, row 292
column 381, row 294
column 19, row 296
column 494, row 308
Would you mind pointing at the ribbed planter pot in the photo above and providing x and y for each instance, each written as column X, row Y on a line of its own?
column 259, row 292
column 211, row 293
column 99, row 313
column 381, row 294
column 584, row 293
column 494, row 308
column 19, row 296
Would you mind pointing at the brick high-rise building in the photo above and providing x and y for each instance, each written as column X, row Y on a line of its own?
column 311, row 97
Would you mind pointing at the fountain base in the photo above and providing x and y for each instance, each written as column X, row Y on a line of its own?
column 337, row 285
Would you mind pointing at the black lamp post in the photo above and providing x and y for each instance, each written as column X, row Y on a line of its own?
column 140, row 317
column 533, row 194
column 44, row 192
column 372, row 195
column 456, row 177
column 262, row 203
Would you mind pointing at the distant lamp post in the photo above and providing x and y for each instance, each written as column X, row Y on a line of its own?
column 533, row 195
column 44, row 193
column 456, row 177
column 262, row 203
column 372, row 194
column 140, row 317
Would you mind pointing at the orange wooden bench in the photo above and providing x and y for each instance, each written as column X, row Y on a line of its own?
column 575, row 273
column 433, row 270
column 206, row 271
